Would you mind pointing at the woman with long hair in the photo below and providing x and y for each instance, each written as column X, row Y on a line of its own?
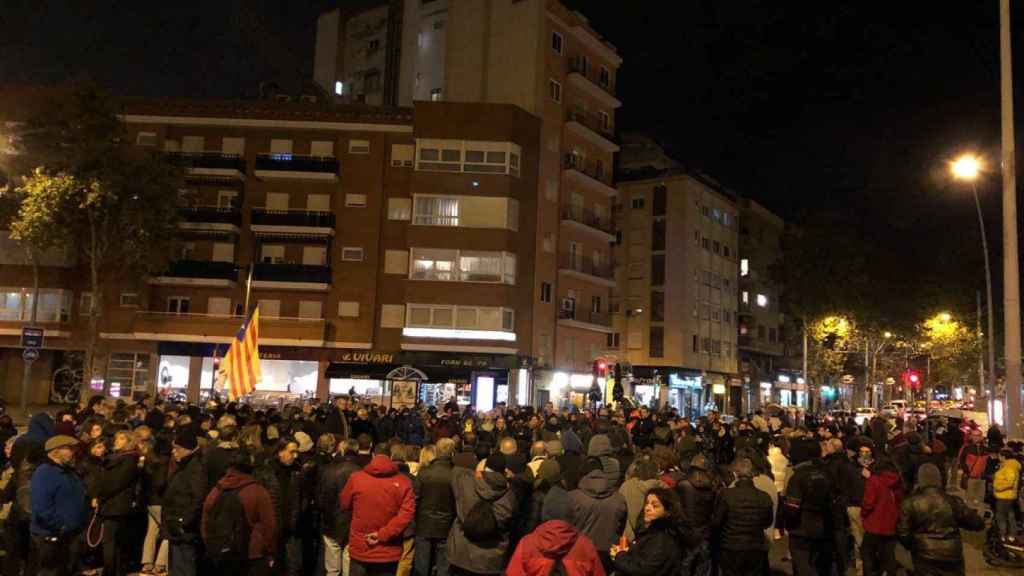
column 656, row 551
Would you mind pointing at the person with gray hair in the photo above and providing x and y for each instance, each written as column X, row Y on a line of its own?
column 435, row 511
column 538, row 454
column 742, row 515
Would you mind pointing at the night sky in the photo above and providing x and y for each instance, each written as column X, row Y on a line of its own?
column 837, row 114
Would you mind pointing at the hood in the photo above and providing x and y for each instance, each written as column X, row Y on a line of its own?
column 40, row 427
column 571, row 442
column 555, row 538
column 600, row 445
column 233, row 480
column 888, row 478
column 381, row 466
column 601, row 483
column 929, row 475
column 640, row 487
column 490, row 485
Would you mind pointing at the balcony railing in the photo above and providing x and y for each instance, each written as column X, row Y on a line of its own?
column 171, row 325
column 591, row 121
column 297, row 163
column 599, row 318
column 579, row 66
column 588, row 218
column 269, row 272
column 208, row 160
column 211, row 215
column 302, row 218
column 203, row 269
column 595, row 170
column 578, row 263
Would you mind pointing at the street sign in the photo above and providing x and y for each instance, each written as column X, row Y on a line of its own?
column 31, row 337
column 30, row 354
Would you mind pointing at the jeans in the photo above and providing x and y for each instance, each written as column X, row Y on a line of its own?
column 289, row 556
column 810, row 557
column 151, row 555
column 358, row 568
column 55, row 556
column 332, row 556
column 1006, row 520
column 743, row 562
column 430, row 552
column 878, row 553
column 183, row 559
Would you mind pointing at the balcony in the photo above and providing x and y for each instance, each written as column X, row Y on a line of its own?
column 589, row 126
column 212, row 328
column 588, row 174
column 216, row 165
column 297, row 167
column 589, row 220
column 210, row 218
column 586, row 269
column 282, row 276
column 198, row 273
column 585, row 319
column 581, row 76
column 751, row 343
column 305, row 222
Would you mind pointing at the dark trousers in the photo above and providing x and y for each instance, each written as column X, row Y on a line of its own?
column 430, row 553
column 182, row 559
column 810, row 557
column 55, row 556
column 289, row 556
column 841, row 548
column 119, row 541
column 606, row 561
column 878, row 553
column 743, row 562
column 928, row 568
column 357, row 568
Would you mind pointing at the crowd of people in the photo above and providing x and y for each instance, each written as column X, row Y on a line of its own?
column 346, row 488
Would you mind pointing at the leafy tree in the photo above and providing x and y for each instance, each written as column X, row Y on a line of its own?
column 952, row 347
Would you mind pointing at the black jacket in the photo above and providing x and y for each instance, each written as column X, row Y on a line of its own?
column 289, row 493
column 217, row 459
column 808, row 504
column 697, row 496
column 336, row 423
column 741, row 515
column 335, row 522
column 655, row 552
column 930, row 522
column 154, row 478
column 119, row 488
column 183, row 500
column 435, row 501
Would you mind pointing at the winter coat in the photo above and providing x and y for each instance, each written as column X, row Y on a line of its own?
column 382, row 501
column 40, row 429
column 634, row 491
column 1006, row 480
column 741, row 515
column 258, row 507
column 412, row 430
column 359, row 427
column 697, row 497
column 571, row 465
column 288, row 491
column 852, row 483
column 554, row 541
column 182, row 507
column 880, row 508
column 58, row 501
column 809, row 500
column 599, row 511
column 435, row 502
column 780, row 468
column 930, row 522
column 879, row 432
column 655, row 552
column 90, row 470
column 335, row 523
column 119, row 488
column 469, row 488
column 217, row 459
column 154, row 478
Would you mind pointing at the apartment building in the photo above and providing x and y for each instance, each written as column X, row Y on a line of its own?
column 386, row 248
column 762, row 343
column 537, row 55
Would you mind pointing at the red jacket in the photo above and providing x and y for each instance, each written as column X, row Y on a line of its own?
column 381, row 501
column 554, row 539
column 259, row 511
column 880, row 510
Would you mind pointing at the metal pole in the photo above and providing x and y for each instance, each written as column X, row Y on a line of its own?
column 26, row 374
column 1011, row 279
column 248, row 290
column 807, row 378
column 867, row 372
column 990, row 384
column 981, row 356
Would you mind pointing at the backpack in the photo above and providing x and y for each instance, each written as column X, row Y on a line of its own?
column 480, row 525
column 227, row 532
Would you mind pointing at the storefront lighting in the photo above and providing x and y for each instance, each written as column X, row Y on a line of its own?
column 581, row 381
column 459, row 334
column 718, row 388
column 799, row 380
column 783, row 378
column 766, row 385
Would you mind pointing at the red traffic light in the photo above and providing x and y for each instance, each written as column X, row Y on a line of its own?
column 602, row 366
column 912, row 378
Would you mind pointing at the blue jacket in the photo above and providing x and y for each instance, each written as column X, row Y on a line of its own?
column 58, row 501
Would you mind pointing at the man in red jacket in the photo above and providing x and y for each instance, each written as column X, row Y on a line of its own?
column 259, row 513
column 555, row 541
column 382, row 505
column 880, row 510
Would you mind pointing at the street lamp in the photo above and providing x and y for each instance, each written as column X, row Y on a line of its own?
column 967, row 168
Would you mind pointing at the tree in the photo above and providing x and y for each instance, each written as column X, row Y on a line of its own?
column 952, row 348
column 831, row 339
column 115, row 205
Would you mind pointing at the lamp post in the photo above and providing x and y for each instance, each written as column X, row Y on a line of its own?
column 967, row 168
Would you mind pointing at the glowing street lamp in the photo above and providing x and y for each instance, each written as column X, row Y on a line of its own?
column 966, row 167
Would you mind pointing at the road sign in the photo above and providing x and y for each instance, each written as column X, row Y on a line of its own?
column 30, row 354
column 31, row 337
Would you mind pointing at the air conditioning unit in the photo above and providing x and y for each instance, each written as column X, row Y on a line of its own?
column 568, row 304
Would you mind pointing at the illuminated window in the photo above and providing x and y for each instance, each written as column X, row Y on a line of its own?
column 339, row 87
column 762, row 300
column 745, row 297
column 744, row 267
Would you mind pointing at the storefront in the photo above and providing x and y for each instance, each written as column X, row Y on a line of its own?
column 562, row 389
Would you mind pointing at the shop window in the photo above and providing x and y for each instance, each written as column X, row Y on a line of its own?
column 127, row 375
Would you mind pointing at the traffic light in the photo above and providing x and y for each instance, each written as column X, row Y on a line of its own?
column 617, row 392
column 600, row 369
column 912, row 379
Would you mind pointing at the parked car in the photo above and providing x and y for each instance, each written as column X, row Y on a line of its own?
column 864, row 415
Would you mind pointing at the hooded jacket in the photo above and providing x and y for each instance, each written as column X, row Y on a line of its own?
column 259, row 511
column 634, row 490
column 599, row 510
column 381, row 501
column 40, row 429
column 469, row 488
column 1006, row 480
column 880, row 510
column 555, row 540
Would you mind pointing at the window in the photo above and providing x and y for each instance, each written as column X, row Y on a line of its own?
column 216, row 306
column 556, row 43
column 548, row 243
column 322, row 148
column 373, row 45
column 277, row 201
column 468, row 156
column 128, row 374
column 555, row 90
column 772, row 335
column 272, row 254
column 399, row 208
column 761, row 333
column 339, row 87
column 716, row 247
column 595, row 304
column 227, row 200
column 355, row 200
column 744, row 267
column 85, row 304
column 551, row 191
column 145, row 139
column 436, row 95
column 436, row 211
column 193, row 144
column 465, row 266
column 657, row 306
column 402, row 155
column 745, row 297
column 396, row 262
column 281, row 148
column 358, row 146
column 348, row 309
column 351, row 254
column 485, row 157
column 725, row 250
column 658, row 235
column 657, row 342
column 434, row 264
column 270, row 308
column 545, row 292
column 233, row 145
column 727, row 219
column 612, row 340
column 606, row 121
column 706, row 243
column 439, row 155
column 459, row 317
column 604, row 78
column 311, row 309
column 129, row 299
column 638, row 202
column 178, row 304
column 762, row 300
column 657, row 269
column 392, row 316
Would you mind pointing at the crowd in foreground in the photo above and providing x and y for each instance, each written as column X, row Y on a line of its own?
column 341, row 488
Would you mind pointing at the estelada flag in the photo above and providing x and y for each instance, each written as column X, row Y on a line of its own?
column 240, row 368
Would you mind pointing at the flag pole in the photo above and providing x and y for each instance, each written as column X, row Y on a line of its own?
column 248, row 291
